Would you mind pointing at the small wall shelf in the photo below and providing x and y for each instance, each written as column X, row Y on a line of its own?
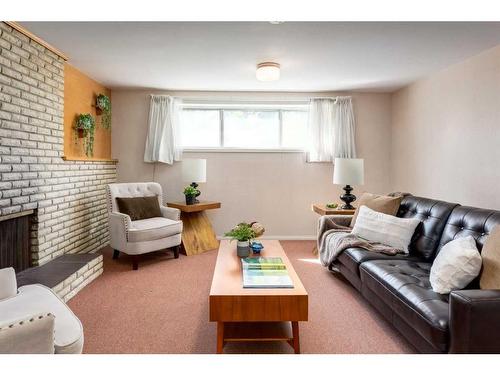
column 76, row 158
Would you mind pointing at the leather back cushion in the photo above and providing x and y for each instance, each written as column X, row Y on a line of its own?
column 433, row 215
column 470, row 221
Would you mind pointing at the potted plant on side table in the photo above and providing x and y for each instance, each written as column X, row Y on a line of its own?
column 190, row 193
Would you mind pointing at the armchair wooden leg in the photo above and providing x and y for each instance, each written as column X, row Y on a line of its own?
column 176, row 251
column 135, row 262
column 116, row 254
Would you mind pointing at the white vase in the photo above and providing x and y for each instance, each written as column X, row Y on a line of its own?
column 243, row 249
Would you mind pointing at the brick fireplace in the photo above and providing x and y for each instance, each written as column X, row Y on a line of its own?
column 66, row 198
column 15, row 246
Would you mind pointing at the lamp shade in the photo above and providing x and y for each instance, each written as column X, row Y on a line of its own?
column 348, row 171
column 194, row 170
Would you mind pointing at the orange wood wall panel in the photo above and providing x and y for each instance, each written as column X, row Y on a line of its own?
column 80, row 93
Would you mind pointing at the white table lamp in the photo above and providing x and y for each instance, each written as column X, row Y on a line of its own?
column 348, row 172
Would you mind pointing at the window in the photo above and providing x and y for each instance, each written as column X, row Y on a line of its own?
column 200, row 128
column 244, row 126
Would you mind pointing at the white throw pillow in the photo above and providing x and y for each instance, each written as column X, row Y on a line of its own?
column 456, row 265
column 386, row 229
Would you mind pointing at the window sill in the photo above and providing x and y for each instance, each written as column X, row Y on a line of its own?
column 245, row 150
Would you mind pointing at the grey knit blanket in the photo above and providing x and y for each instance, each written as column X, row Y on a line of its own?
column 333, row 239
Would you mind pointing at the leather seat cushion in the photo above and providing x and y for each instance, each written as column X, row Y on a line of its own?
column 38, row 299
column 153, row 229
column 353, row 257
column 404, row 286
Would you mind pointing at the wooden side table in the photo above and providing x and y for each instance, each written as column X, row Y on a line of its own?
column 198, row 235
column 322, row 210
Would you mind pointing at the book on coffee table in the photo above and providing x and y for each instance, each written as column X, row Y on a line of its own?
column 264, row 272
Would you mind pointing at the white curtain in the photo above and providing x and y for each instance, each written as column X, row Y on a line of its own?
column 163, row 142
column 331, row 129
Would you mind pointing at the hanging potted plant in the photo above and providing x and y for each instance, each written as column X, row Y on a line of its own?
column 103, row 107
column 85, row 128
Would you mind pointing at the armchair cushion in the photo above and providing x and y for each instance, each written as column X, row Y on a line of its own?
column 34, row 299
column 153, row 229
column 8, row 283
column 139, row 208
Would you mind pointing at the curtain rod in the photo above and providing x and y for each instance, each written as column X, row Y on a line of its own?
column 251, row 100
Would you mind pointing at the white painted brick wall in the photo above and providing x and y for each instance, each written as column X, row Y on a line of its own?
column 69, row 197
column 68, row 288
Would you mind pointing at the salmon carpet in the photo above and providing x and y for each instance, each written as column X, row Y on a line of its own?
column 163, row 308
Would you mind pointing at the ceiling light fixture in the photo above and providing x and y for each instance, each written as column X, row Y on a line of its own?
column 268, row 71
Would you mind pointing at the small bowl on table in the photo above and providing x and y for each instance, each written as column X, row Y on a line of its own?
column 256, row 247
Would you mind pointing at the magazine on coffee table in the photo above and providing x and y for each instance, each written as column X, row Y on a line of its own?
column 262, row 272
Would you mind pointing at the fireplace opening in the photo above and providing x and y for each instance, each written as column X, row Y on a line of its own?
column 15, row 244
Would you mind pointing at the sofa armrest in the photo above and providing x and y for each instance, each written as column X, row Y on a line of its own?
column 118, row 228
column 327, row 222
column 474, row 321
column 30, row 335
column 170, row 213
column 341, row 220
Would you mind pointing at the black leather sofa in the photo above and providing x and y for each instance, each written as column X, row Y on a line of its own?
column 465, row 321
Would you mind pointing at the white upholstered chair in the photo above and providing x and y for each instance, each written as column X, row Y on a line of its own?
column 34, row 320
column 142, row 236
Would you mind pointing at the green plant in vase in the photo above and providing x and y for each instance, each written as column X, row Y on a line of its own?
column 103, row 106
column 190, row 192
column 243, row 233
column 85, row 128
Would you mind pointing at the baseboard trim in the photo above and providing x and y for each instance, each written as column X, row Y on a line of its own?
column 284, row 238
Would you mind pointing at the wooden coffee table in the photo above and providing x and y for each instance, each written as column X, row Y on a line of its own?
column 244, row 314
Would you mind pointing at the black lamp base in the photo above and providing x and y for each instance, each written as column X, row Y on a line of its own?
column 348, row 198
column 195, row 185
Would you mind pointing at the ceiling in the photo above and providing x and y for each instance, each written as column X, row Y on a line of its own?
column 314, row 56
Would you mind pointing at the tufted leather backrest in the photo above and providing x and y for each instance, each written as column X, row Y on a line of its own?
column 130, row 190
column 433, row 215
column 470, row 221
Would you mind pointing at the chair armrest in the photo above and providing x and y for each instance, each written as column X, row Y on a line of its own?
column 474, row 321
column 170, row 213
column 30, row 335
column 118, row 228
column 8, row 283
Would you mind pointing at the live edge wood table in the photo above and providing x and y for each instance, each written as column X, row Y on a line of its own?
column 247, row 314
column 198, row 235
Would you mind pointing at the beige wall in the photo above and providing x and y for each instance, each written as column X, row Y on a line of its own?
column 275, row 188
column 446, row 134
